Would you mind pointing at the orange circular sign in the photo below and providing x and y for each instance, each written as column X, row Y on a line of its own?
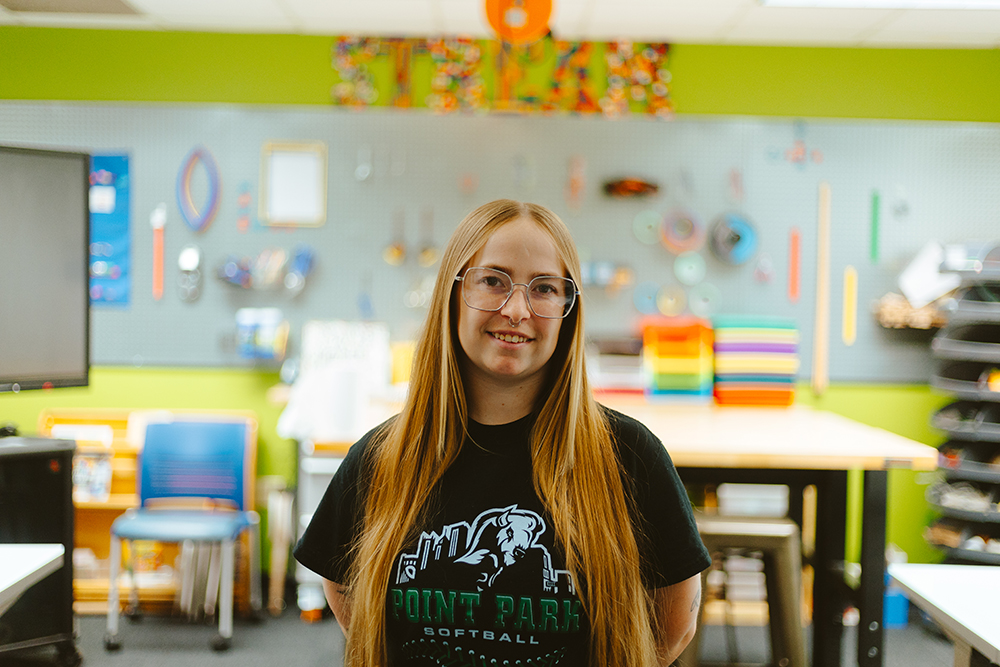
column 519, row 21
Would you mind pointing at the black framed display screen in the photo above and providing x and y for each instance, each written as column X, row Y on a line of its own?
column 44, row 282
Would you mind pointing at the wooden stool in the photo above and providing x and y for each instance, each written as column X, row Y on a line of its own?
column 778, row 539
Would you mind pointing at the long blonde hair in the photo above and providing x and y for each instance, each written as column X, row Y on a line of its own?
column 574, row 469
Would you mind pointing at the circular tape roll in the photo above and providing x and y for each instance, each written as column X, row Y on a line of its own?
column 704, row 299
column 689, row 267
column 681, row 231
column 644, row 297
column 733, row 239
column 671, row 300
column 646, row 226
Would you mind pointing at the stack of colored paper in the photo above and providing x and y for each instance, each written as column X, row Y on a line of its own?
column 756, row 360
column 677, row 356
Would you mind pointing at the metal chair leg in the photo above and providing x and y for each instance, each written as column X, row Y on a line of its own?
column 187, row 577
column 133, row 612
column 111, row 642
column 212, row 585
column 255, row 593
column 224, row 638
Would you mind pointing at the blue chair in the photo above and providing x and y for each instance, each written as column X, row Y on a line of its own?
column 195, row 484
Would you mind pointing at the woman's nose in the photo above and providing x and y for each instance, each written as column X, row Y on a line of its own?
column 516, row 308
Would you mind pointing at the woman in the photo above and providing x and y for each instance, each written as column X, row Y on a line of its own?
column 503, row 517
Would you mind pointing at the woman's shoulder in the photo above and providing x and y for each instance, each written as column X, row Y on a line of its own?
column 360, row 454
column 632, row 437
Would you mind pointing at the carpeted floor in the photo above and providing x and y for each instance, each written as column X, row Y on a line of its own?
column 286, row 641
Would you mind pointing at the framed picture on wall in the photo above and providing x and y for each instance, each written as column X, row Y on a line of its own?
column 293, row 183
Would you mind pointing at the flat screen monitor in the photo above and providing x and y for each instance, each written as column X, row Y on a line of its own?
column 44, row 257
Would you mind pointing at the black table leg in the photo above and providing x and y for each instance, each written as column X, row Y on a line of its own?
column 871, row 594
column 829, row 600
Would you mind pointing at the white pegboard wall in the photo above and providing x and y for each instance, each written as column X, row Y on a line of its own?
column 935, row 181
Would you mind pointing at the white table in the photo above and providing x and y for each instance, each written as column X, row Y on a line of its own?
column 23, row 565
column 963, row 600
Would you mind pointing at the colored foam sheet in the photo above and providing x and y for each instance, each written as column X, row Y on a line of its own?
column 703, row 299
column 689, row 267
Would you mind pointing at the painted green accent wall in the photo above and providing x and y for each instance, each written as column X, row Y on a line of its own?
column 64, row 64
column 918, row 84
column 923, row 84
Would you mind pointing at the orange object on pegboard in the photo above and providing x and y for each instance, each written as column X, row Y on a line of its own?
column 519, row 21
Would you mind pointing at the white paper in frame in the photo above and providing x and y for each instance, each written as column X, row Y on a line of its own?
column 293, row 184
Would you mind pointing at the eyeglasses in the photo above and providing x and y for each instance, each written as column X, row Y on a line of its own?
column 550, row 297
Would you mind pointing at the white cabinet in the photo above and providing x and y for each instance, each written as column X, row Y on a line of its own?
column 317, row 464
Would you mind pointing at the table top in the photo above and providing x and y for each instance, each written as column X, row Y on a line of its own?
column 710, row 436
column 22, row 565
column 795, row 437
column 962, row 599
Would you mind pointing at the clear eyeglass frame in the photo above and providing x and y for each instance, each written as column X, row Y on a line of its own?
column 567, row 308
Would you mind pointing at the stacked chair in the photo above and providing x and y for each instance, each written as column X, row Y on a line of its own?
column 196, row 476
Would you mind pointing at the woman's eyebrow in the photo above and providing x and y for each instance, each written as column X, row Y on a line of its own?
column 510, row 271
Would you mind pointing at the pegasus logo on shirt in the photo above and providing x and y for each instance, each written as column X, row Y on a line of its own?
column 501, row 537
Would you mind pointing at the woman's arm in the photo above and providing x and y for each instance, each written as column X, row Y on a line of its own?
column 336, row 595
column 676, row 617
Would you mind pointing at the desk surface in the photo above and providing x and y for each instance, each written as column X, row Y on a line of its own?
column 963, row 599
column 22, row 565
column 791, row 438
column 709, row 436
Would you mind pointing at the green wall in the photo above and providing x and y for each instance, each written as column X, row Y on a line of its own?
column 922, row 84
column 63, row 64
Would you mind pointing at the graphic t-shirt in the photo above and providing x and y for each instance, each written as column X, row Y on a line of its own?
column 484, row 582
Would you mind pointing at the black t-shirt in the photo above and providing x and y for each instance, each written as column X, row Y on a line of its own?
column 484, row 582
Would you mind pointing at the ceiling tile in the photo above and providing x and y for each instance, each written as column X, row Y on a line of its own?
column 93, row 21
column 463, row 17
column 569, row 19
column 972, row 21
column 678, row 21
column 380, row 17
column 194, row 11
column 802, row 26
column 670, row 21
column 837, row 20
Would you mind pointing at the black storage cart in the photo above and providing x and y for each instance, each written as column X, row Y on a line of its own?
column 36, row 507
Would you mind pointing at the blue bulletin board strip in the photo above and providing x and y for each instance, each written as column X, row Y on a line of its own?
column 110, row 243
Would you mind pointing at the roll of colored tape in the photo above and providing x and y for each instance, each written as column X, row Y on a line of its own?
column 689, row 267
column 704, row 299
column 671, row 300
column 681, row 231
column 644, row 297
column 646, row 226
column 733, row 239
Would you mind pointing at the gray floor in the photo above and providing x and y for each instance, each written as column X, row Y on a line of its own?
column 287, row 641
